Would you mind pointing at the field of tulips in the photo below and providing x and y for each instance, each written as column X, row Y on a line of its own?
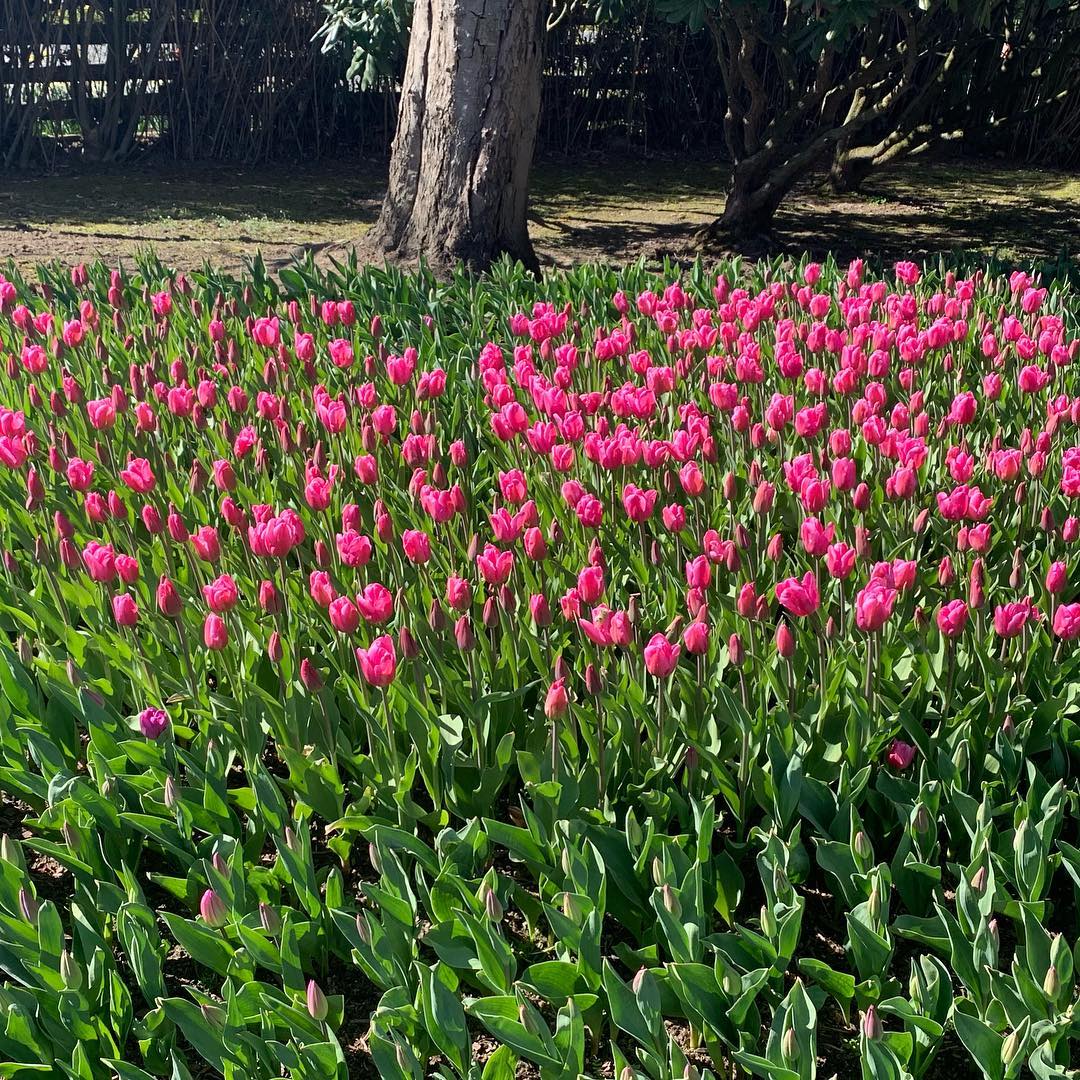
column 608, row 676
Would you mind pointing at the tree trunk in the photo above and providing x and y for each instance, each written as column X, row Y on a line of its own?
column 848, row 171
column 749, row 209
column 459, row 165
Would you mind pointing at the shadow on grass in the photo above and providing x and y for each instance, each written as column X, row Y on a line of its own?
column 617, row 210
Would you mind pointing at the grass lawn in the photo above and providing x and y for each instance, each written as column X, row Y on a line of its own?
column 616, row 210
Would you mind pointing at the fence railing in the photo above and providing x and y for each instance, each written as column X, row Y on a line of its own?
column 243, row 80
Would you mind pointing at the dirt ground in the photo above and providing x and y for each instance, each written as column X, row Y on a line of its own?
column 611, row 210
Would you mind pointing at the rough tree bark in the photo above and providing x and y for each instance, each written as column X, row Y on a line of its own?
column 459, row 165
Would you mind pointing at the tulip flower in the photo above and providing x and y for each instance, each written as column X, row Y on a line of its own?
column 215, row 632
column 212, row 909
column 799, row 597
column 661, row 657
column 952, row 618
column 378, row 662
column 901, row 754
column 153, row 722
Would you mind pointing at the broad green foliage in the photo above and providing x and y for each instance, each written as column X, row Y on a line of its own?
column 645, row 828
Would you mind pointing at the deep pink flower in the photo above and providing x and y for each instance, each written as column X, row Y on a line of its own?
column 215, row 632
column 1067, row 622
column 952, row 618
column 495, row 566
column 901, row 754
column 125, row 610
column 661, row 657
column 375, row 603
column 874, row 606
column 152, row 722
column 378, row 662
column 221, row 595
column 1010, row 619
column 801, row 598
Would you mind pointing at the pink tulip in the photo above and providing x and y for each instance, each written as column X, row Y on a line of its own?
column 378, row 662
column 138, row 476
column 1010, row 619
column 874, row 606
column 801, row 598
column 661, row 657
column 901, row 754
column 952, row 618
column 212, row 909
column 125, row 610
column 152, row 722
column 1067, row 622
column 215, row 632
column 556, row 701
column 1056, row 578
column 375, row 603
column 221, row 595
column 696, row 638
column 344, row 616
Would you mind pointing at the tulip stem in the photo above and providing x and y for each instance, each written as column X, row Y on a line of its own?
column 555, row 748
column 660, row 717
column 394, row 763
column 950, row 677
column 600, row 747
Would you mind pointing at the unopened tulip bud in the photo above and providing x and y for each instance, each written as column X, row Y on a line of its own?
column 873, row 905
column 1017, row 574
column 493, row 909
column 214, row 1015
column 463, row 634
column 961, row 757
column 317, row 1006
column 978, row 880
column 28, row 906
column 670, row 900
column 785, row 641
column 363, row 927
column 871, row 1024
column 863, row 847
column 594, row 681
column 790, row 1046
column 310, row 677
column 527, row 1020
column 1052, row 983
column 1010, row 1048
column 274, row 650
column 638, row 980
column 11, row 852
column 735, row 650
column 70, row 971
column 407, row 644
column 220, row 865
column 212, row 909
column 862, row 542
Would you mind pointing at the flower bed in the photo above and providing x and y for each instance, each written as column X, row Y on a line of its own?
column 605, row 676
